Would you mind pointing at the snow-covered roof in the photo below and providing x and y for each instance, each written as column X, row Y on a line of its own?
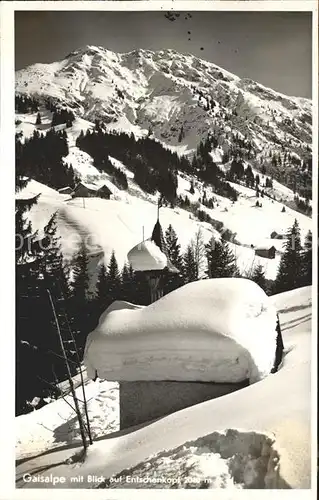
column 92, row 187
column 147, row 256
column 218, row 330
column 95, row 187
column 103, row 187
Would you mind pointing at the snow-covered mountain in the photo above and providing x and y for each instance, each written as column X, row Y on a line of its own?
column 178, row 98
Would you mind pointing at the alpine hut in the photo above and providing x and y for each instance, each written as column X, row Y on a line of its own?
column 266, row 252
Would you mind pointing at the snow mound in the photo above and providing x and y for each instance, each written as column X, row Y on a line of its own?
column 147, row 256
column 231, row 459
column 217, row 330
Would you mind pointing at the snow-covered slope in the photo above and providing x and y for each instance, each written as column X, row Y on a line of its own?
column 55, row 425
column 259, row 433
column 164, row 92
column 217, row 330
column 120, row 223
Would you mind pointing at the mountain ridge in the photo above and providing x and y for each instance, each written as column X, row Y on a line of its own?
column 142, row 84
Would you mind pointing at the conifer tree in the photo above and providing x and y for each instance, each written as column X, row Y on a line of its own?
column 39, row 269
column 38, row 120
column 102, row 290
column 28, row 258
column 81, row 305
column 307, row 260
column 114, row 279
column 173, row 247
column 56, row 281
column 289, row 274
column 127, row 283
column 80, row 274
column 190, row 270
column 258, row 276
column 221, row 260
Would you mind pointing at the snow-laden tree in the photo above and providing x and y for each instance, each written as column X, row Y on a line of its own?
column 307, row 260
column 220, row 259
column 102, row 290
column 258, row 276
column 290, row 270
column 127, row 283
column 173, row 247
column 190, row 270
column 113, row 279
column 80, row 281
column 173, row 281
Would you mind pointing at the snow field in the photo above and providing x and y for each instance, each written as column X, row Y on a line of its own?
column 55, row 425
column 236, row 438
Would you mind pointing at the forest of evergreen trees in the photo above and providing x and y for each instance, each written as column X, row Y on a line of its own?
column 25, row 104
column 155, row 168
column 41, row 158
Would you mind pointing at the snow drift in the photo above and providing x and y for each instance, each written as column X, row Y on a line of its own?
column 277, row 408
column 217, row 330
column 231, row 459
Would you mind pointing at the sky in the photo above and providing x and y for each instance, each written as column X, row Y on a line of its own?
column 272, row 48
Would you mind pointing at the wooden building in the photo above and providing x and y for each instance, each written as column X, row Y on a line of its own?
column 85, row 190
column 104, row 192
column 277, row 236
column 266, row 252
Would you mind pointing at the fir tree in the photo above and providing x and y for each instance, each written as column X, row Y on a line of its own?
column 307, row 260
column 181, row 134
column 80, row 274
column 127, row 283
column 39, row 360
column 221, row 260
column 102, row 290
column 114, row 279
column 190, row 272
column 173, row 281
column 81, row 305
column 289, row 274
column 173, row 247
column 38, row 120
column 28, row 258
column 258, row 276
